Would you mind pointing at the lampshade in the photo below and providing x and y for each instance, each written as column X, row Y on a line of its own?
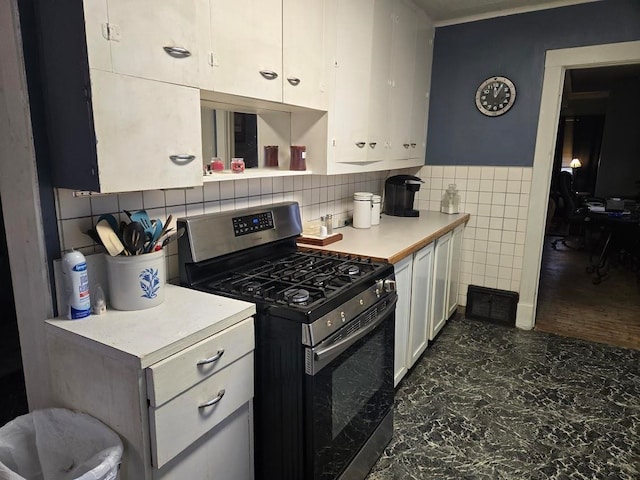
column 575, row 163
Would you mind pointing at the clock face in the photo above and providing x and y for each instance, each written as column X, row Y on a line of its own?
column 495, row 96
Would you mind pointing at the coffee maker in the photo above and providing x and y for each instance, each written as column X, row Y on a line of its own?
column 399, row 192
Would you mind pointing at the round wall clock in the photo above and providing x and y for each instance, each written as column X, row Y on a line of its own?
column 495, row 96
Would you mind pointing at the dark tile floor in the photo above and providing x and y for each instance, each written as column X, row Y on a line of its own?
column 491, row 402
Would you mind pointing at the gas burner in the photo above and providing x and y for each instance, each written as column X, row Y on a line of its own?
column 252, row 287
column 349, row 269
column 297, row 295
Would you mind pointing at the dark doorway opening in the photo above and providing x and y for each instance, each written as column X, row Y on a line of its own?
column 13, row 401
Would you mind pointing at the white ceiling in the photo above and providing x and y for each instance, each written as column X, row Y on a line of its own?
column 445, row 12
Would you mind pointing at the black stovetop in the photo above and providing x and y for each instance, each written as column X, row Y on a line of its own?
column 302, row 281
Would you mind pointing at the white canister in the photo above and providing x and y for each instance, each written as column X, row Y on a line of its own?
column 136, row 282
column 362, row 209
column 76, row 285
column 375, row 209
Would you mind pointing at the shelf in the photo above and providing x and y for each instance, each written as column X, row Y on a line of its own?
column 253, row 173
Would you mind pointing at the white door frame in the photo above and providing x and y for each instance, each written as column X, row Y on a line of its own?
column 557, row 62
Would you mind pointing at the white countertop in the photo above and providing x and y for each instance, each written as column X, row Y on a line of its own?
column 143, row 337
column 395, row 237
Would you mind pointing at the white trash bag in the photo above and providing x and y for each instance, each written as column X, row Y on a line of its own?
column 58, row 444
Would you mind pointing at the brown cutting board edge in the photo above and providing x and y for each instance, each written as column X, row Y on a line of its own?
column 320, row 241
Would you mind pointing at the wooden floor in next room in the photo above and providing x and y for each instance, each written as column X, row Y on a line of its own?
column 571, row 305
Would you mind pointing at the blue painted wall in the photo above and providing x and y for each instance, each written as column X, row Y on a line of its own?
column 515, row 47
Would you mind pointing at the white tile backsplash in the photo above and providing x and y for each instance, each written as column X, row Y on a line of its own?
column 496, row 197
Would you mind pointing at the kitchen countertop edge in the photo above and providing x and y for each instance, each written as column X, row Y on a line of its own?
column 129, row 337
column 404, row 248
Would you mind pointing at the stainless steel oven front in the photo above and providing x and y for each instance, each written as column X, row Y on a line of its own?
column 349, row 395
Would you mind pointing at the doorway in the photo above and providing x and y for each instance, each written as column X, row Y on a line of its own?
column 556, row 63
column 13, row 401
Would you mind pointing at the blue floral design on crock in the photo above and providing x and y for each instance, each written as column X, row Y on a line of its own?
column 149, row 283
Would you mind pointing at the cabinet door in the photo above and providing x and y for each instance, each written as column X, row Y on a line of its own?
column 379, row 81
column 96, row 18
column 400, row 106
column 454, row 274
column 303, row 57
column 163, row 41
column 246, row 43
column 403, row 315
column 420, row 303
column 147, row 133
column 421, row 88
column 349, row 110
column 440, row 285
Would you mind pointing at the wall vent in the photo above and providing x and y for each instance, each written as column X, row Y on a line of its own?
column 492, row 305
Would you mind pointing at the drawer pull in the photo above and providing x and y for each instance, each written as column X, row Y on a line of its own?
column 213, row 401
column 413, row 145
column 360, row 144
column 372, row 144
column 212, row 359
column 182, row 159
column 406, row 145
column 177, row 52
column 293, row 81
column 269, row 74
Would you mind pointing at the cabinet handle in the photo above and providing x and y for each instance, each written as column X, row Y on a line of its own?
column 406, row 145
column 269, row 74
column 177, row 52
column 372, row 144
column 212, row 359
column 413, row 145
column 182, row 159
column 213, row 401
column 293, row 81
column 360, row 144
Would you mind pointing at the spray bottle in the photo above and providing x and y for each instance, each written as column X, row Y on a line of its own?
column 76, row 283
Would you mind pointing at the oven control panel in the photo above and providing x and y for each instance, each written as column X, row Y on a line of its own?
column 252, row 223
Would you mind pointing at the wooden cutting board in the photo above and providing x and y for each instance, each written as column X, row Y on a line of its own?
column 321, row 241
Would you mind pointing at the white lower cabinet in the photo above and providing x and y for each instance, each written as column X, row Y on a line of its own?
column 440, row 288
column 420, row 302
column 403, row 271
column 413, row 280
column 454, row 270
column 189, row 415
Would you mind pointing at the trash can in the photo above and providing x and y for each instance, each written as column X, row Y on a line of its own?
column 58, row 444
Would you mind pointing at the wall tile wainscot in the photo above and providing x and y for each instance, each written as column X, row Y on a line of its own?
column 496, row 197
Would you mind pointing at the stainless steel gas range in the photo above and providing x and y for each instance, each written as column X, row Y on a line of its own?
column 324, row 339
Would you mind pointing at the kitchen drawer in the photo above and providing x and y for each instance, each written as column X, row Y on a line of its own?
column 177, row 373
column 181, row 421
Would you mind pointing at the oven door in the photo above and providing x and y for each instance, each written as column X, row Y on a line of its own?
column 349, row 389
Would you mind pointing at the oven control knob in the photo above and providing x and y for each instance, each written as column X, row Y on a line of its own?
column 386, row 286
column 361, row 302
column 329, row 323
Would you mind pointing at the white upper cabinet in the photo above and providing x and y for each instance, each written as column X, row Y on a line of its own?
column 352, row 24
column 374, row 84
column 163, row 41
column 303, row 55
column 246, row 48
column 403, row 61
column 421, row 87
column 145, row 135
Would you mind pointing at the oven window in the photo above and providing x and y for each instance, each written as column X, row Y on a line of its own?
column 348, row 399
column 356, row 381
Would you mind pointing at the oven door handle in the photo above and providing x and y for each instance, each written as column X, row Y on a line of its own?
column 339, row 347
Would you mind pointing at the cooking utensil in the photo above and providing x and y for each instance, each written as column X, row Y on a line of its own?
column 113, row 223
column 142, row 217
column 162, row 232
column 134, row 238
column 174, row 237
column 109, row 238
column 94, row 235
